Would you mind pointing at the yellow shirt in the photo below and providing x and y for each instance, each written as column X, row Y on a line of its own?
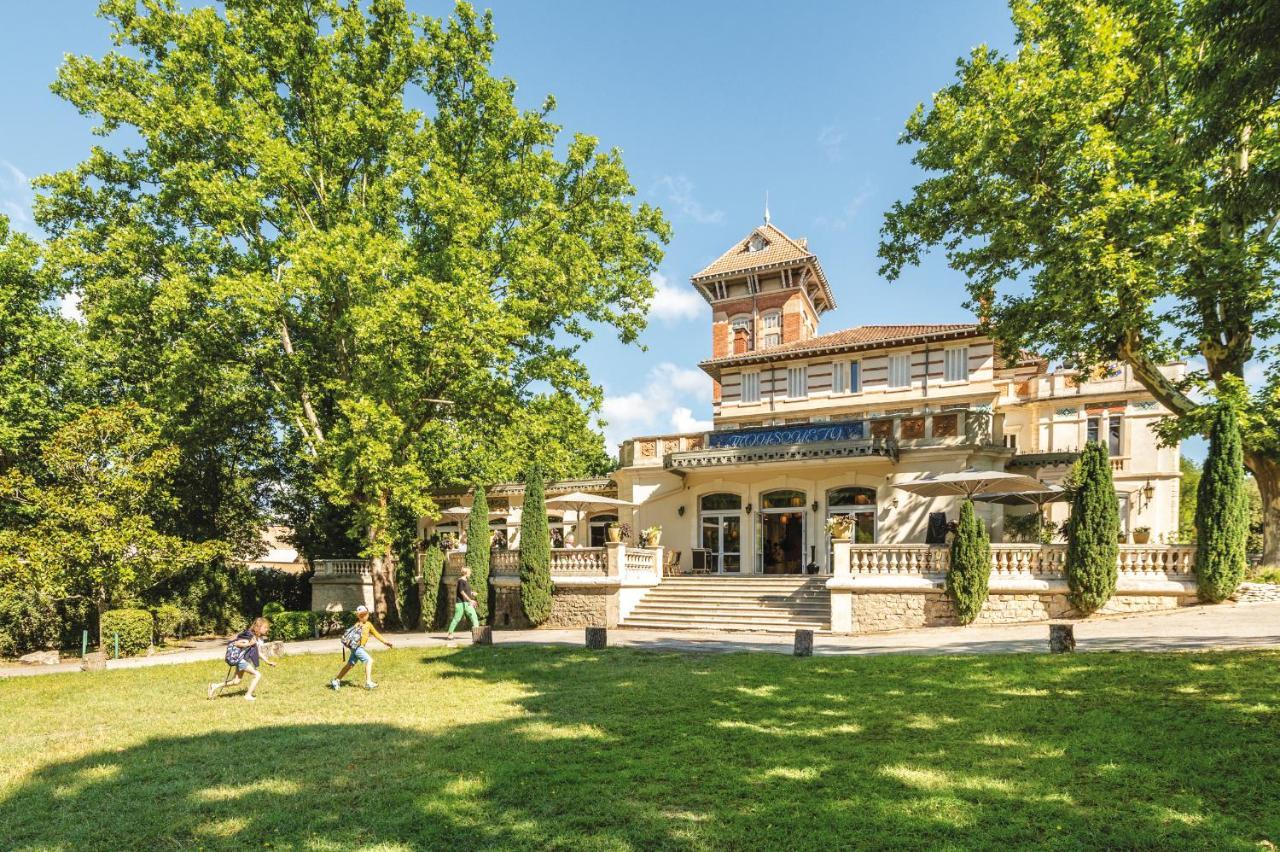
column 366, row 630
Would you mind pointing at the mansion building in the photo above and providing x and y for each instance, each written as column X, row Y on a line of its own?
column 810, row 425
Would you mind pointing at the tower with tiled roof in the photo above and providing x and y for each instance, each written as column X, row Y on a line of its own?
column 767, row 290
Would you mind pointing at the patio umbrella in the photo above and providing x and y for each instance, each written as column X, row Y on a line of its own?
column 581, row 502
column 463, row 511
column 1040, row 498
column 970, row 483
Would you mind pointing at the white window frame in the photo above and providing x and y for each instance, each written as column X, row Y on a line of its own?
column 798, row 379
column 899, row 368
column 750, row 388
column 771, row 325
column 955, row 366
column 837, row 377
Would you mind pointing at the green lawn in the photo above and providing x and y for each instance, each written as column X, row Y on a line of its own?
column 522, row 747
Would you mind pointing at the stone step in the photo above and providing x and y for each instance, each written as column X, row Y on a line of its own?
column 798, row 619
column 725, row 624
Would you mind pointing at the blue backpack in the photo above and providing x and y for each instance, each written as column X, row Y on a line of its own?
column 351, row 638
column 234, row 652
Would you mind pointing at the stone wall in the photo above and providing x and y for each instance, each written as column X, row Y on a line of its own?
column 874, row 613
column 570, row 607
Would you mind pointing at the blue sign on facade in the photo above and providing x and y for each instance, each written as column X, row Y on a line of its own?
column 853, row 430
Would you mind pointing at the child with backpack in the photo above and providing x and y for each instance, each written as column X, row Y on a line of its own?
column 354, row 640
column 244, row 652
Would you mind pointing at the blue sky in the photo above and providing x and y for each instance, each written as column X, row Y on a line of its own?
column 713, row 104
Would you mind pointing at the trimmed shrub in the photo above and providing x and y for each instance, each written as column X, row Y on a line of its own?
column 29, row 621
column 478, row 551
column 1222, row 512
column 134, row 627
column 273, row 609
column 331, row 623
column 432, row 576
column 171, row 621
column 535, row 551
column 291, row 626
column 1093, row 532
column 970, row 572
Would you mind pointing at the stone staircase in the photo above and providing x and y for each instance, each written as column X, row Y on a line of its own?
column 778, row 604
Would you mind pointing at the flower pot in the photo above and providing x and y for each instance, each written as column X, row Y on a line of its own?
column 615, row 534
column 1141, row 536
column 654, row 539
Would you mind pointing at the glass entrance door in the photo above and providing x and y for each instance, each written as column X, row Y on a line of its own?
column 782, row 532
column 722, row 536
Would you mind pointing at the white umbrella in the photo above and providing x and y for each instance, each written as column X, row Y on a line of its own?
column 969, row 483
column 581, row 502
column 1045, row 495
column 464, row 511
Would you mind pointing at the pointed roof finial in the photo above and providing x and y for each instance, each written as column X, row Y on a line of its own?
column 766, row 206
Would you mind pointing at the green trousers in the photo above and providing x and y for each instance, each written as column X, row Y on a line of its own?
column 463, row 607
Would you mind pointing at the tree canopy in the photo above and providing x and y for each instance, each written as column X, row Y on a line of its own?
column 1110, row 190
column 328, row 226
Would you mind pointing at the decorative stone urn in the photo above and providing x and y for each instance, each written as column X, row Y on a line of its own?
column 614, row 532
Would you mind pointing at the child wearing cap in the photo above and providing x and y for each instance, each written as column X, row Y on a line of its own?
column 358, row 652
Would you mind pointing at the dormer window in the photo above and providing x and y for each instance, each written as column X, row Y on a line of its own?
column 756, row 243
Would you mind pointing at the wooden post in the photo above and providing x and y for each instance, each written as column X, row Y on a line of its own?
column 95, row 662
column 804, row 643
column 482, row 635
column 597, row 638
column 1062, row 638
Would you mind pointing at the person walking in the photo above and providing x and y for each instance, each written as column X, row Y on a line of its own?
column 465, row 603
column 246, row 654
column 356, row 637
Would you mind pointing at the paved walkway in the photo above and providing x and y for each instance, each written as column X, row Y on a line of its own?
column 1200, row 628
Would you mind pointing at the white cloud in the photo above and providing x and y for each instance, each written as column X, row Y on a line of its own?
column 847, row 214
column 16, row 196
column 831, row 141
column 664, row 405
column 69, row 307
column 675, row 303
column 679, row 191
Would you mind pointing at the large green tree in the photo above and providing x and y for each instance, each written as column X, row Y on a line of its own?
column 1112, row 192
column 335, row 209
column 89, row 524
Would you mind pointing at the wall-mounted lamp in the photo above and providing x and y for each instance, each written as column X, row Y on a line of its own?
column 815, row 505
column 748, row 508
column 1149, row 491
column 680, row 510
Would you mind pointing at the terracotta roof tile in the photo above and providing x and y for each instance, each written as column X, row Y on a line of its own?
column 779, row 248
column 862, row 336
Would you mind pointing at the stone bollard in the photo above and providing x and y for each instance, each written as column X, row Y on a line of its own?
column 1062, row 638
column 95, row 662
column 482, row 635
column 275, row 649
column 597, row 638
column 804, row 643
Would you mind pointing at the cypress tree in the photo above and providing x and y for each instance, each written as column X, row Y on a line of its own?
column 1222, row 511
column 1093, row 532
column 478, row 551
column 535, row 551
column 970, row 565
column 432, row 574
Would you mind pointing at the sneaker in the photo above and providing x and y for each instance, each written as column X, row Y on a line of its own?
column 449, row 638
column 368, row 684
column 249, row 697
column 213, row 690
column 334, row 684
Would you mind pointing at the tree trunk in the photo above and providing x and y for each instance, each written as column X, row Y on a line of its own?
column 1266, row 470
column 383, row 570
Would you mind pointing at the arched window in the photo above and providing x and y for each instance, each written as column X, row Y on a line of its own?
column 558, row 528
column 597, row 529
column 720, row 519
column 782, row 500
column 498, row 534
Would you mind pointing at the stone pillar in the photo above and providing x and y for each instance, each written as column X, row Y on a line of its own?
column 841, row 599
column 95, row 661
column 482, row 635
column 615, row 552
column 804, row 643
column 597, row 638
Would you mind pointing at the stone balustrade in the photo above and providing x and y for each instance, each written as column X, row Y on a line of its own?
column 889, row 586
column 342, row 568
column 642, row 563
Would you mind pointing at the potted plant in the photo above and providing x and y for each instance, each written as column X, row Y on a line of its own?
column 651, row 536
column 1141, row 535
column 838, row 526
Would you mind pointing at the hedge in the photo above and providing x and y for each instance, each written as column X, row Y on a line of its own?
column 290, row 626
column 134, row 627
column 172, row 621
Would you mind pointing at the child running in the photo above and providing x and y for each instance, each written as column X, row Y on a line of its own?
column 245, row 653
column 356, row 642
column 466, row 603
